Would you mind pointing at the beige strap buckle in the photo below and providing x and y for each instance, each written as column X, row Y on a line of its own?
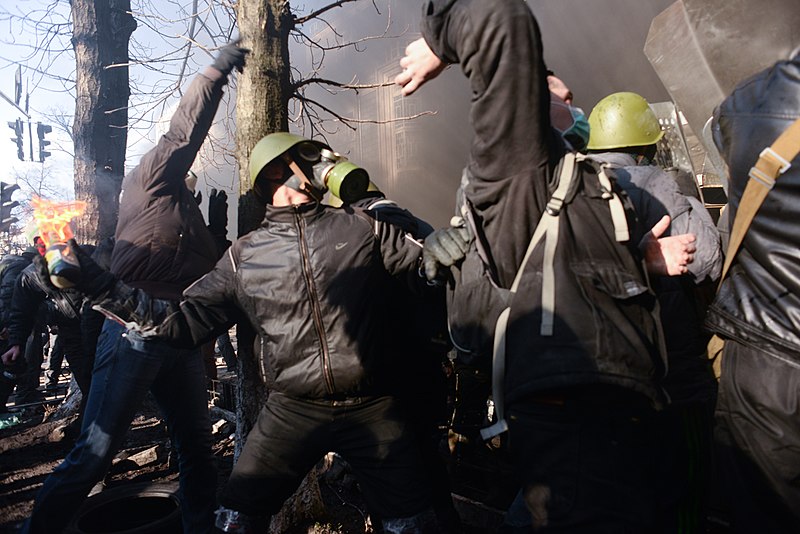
column 768, row 153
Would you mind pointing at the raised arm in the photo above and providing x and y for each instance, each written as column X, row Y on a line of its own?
column 164, row 167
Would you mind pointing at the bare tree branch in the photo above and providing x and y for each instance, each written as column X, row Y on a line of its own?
column 354, row 86
column 322, row 10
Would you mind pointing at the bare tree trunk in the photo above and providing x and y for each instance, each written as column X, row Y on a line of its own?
column 263, row 94
column 101, row 32
column 263, row 91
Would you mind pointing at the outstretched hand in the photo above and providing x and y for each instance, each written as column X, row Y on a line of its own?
column 231, row 56
column 667, row 256
column 420, row 65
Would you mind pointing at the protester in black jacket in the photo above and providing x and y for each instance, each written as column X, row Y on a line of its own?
column 757, row 312
column 312, row 280
column 23, row 372
column 30, row 293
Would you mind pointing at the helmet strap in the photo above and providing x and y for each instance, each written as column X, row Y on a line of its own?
column 299, row 181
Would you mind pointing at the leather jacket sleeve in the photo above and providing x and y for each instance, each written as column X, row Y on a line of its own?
column 402, row 255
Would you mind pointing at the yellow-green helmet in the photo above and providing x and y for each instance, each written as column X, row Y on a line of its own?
column 623, row 120
column 269, row 148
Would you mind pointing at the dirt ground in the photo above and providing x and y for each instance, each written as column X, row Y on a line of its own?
column 31, row 449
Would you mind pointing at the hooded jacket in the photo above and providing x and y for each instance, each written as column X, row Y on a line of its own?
column 162, row 243
column 514, row 155
column 759, row 300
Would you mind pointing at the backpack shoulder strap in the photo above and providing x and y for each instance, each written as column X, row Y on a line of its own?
column 772, row 162
column 548, row 229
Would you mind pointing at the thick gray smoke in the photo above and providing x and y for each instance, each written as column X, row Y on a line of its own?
column 596, row 47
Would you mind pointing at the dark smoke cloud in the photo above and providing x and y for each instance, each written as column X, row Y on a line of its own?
column 596, row 47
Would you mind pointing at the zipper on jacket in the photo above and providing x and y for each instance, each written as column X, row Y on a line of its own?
column 316, row 312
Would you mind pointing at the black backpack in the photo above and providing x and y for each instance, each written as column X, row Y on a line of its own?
column 580, row 310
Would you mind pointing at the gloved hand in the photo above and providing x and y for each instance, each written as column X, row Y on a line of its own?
column 231, row 55
column 218, row 212
column 94, row 279
column 445, row 247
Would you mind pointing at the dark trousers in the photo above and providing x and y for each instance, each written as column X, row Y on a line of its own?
column 685, row 442
column 126, row 368
column 28, row 378
column 758, row 439
column 586, row 461
column 291, row 435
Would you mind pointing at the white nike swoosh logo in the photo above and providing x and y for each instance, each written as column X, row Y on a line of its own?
column 340, row 246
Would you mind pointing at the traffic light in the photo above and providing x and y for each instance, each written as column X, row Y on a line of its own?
column 6, row 205
column 19, row 129
column 41, row 131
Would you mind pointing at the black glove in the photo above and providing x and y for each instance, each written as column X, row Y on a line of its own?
column 218, row 212
column 443, row 248
column 230, row 56
column 94, row 279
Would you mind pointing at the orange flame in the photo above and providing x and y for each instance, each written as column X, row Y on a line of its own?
column 53, row 218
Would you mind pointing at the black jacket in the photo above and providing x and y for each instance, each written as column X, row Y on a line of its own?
column 162, row 243
column 311, row 280
column 759, row 300
column 10, row 269
column 29, row 294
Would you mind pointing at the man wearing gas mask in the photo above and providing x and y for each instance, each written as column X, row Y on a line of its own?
column 310, row 280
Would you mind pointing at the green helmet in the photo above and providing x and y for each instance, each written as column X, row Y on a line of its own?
column 623, row 120
column 269, row 148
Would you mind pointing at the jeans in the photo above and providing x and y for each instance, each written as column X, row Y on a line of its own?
column 126, row 367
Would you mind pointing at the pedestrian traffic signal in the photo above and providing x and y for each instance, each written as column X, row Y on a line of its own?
column 6, row 205
column 18, row 128
column 41, row 131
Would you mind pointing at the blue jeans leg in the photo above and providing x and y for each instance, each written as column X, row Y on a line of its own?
column 120, row 380
column 180, row 390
